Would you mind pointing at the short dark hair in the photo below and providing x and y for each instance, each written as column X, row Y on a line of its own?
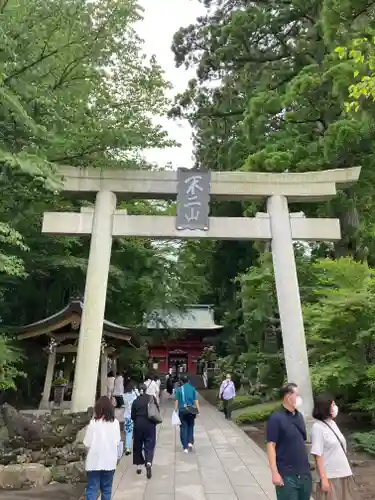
column 130, row 386
column 184, row 379
column 142, row 388
column 288, row 388
column 322, row 407
column 110, row 374
column 104, row 409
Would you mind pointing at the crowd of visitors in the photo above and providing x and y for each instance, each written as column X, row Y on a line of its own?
column 286, row 437
column 141, row 408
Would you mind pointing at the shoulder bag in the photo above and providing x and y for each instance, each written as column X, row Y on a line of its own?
column 153, row 411
column 338, row 439
column 192, row 410
column 224, row 388
column 341, row 443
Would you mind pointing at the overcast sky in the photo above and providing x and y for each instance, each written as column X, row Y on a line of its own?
column 162, row 18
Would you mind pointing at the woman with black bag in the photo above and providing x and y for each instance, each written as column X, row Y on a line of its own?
column 187, row 405
column 328, row 445
column 144, row 437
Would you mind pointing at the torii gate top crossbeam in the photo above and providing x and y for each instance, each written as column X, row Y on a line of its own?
column 297, row 187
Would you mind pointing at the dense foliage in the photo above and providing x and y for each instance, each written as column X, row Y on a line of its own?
column 273, row 91
column 75, row 89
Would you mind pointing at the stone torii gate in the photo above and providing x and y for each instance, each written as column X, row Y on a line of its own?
column 104, row 222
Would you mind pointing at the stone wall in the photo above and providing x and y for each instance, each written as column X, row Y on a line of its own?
column 35, row 450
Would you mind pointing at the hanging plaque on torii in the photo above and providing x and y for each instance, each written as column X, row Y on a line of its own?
column 193, row 199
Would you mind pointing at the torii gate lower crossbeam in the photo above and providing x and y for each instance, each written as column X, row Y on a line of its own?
column 105, row 222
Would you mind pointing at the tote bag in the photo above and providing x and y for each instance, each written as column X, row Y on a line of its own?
column 153, row 412
column 120, row 450
column 175, row 418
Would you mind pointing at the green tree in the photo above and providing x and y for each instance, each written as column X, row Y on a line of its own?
column 340, row 330
column 10, row 360
column 75, row 88
column 270, row 96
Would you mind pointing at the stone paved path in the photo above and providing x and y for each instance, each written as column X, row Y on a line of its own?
column 226, row 465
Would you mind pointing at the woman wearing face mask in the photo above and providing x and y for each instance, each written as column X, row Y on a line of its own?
column 329, row 449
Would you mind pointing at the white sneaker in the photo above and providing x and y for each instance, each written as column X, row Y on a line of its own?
column 190, row 445
column 186, row 450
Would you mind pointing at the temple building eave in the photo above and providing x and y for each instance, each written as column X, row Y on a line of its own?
column 69, row 318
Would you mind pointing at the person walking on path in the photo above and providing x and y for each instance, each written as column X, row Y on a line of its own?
column 144, row 437
column 102, row 439
column 169, row 382
column 158, row 383
column 227, row 393
column 329, row 449
column 110, row 385
column 130, row 395
column 152, row 388
column 118, row 390
column 187, row 405
column 286, row 449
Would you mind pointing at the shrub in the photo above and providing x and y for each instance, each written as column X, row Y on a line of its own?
column 365, row 441
column 243, row 402
column 258, row 413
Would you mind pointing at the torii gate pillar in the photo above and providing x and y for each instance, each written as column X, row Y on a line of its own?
column 288, row 299
column 90, row 334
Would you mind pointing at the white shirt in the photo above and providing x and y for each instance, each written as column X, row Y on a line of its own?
column 152, row 388
column 119, row 386
column 325, row 444
column 129, row 398
column 110, row 386
column 102, row 440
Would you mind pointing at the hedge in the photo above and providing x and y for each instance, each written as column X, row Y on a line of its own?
column 258, row 413
column 365, row 441
column 243, row 402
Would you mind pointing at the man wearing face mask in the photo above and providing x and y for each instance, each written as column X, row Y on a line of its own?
column 286, row 449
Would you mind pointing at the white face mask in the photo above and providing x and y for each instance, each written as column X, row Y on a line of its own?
column 299, row 402
column 335, row 411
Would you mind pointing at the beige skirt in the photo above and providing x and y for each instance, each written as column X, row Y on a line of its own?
column 341, row 489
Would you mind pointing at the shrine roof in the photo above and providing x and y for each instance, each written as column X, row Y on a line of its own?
column 194, row 317
column 70, row 316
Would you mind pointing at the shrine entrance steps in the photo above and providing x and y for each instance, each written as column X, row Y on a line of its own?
column 226, row 465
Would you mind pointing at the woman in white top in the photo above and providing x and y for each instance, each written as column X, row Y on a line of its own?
column 152, row 388
column 118, row 390
column 102, row 440
column 110, row 384
column 130, row 395
column 329, row 449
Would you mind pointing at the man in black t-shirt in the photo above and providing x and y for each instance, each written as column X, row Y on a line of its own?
column 286, row 449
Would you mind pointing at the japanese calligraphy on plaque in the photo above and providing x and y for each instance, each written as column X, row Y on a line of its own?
column 193, row 199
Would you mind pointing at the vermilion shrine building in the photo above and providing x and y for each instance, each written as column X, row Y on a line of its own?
column 192, row 330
